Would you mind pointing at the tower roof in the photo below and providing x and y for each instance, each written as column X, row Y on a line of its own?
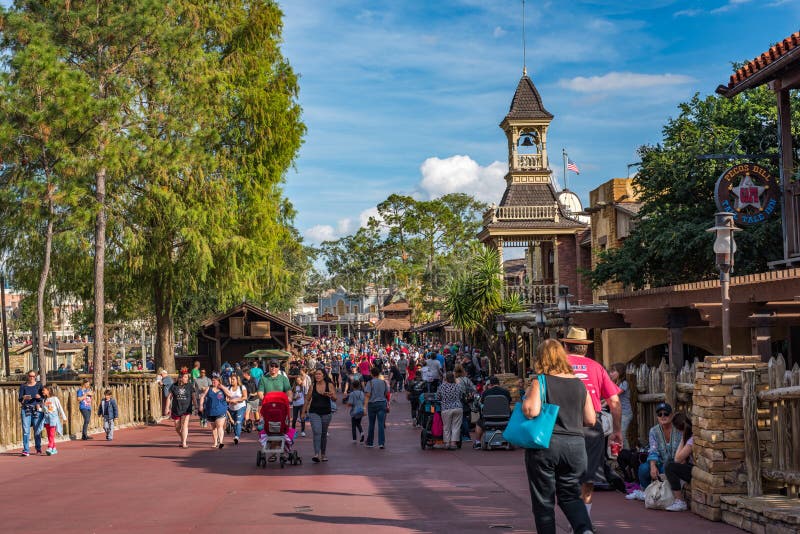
column 527, row 104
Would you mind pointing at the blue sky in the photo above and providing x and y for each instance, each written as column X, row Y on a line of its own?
column 406, row 95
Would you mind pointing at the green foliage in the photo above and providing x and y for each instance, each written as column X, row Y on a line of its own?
column 192, row 110
column 412, row 246
column 669, row 244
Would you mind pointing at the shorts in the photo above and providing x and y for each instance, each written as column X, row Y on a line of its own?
column 595, row 451
column 254, row 405
column 213, row 418
column 175, row 416
column 480, row 422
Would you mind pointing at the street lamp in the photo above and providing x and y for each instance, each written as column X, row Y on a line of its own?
column 725, row 248
column 564, row 306
column 539, row 317
column 501, row 328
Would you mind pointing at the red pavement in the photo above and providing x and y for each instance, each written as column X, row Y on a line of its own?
column 142, row 480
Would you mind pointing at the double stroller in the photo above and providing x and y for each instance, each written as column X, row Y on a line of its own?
column 430, row 409
column 275, row 436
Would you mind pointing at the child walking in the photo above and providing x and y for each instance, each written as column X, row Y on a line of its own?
column 356, row 402
column 53, row 415
column 298, row 401
column 108, row 411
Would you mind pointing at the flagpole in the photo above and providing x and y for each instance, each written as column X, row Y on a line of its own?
column 564, row 155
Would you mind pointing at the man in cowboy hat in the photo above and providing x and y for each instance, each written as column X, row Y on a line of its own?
column 599, row 386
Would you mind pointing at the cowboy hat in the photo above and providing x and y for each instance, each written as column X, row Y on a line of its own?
column 577, row 336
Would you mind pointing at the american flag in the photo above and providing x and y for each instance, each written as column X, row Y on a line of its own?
column 572, row 167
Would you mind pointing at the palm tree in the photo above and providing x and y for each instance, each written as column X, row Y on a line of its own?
column 476, row 297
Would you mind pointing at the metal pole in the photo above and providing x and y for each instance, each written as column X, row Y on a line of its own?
column 6, row 361
column 725, row 280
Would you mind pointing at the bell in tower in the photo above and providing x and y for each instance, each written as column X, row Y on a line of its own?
column 526, row 130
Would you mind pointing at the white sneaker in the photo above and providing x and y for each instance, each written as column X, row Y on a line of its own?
column 678, row 506
column 635, row 495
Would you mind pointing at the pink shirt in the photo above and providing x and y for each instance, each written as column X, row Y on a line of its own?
column 595, row 378
column 363, row 367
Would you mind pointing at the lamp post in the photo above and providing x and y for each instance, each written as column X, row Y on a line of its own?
column 725, row 248
column 501, row 328
column 564, row 306
column 539, row 318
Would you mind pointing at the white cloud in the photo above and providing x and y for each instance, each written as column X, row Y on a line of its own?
column 368, row 213
column 319, row 233
column 344, row 226
column 622, row 82
column 498, row 32
column 462, row 174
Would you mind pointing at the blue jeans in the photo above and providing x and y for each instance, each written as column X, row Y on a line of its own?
column 319, row 428
column 465, row 425
column 238, row 418
column 644, row 473
column 376, row 410
column 37, row 420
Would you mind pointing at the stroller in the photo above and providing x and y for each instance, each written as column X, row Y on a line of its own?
column 428, row 408
column 496, row 414
column 275, row 436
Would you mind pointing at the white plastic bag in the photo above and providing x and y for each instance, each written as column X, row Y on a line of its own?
column 658, row 495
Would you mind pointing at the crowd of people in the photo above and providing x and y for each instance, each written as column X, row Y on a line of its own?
column 595, row 410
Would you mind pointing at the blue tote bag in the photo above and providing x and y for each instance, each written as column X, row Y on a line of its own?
column 532, row 433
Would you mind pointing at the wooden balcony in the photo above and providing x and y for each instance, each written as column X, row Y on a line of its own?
column 527, row 213
column 533, row 293
column 527, row 162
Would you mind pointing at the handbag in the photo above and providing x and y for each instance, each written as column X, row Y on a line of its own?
column 658, row 495
column 607, row 422
column 532, row 433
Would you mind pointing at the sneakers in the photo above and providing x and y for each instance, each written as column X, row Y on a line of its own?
column 380, row 446
column 370, row 446
column 635, row 495
column 678, row 506
column 48, row 452
column 476, row 445
column 235, row 441
column 25, row 453
column 53, row 451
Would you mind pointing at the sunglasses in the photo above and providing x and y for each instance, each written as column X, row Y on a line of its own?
column 273, row 365
column 662, row 414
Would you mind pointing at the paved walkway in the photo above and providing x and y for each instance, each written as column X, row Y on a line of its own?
column 142, row 480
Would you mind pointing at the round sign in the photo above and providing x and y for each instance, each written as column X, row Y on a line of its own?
column 749, row 192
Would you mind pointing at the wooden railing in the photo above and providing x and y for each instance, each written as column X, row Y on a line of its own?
column 533, row 293
column 139, row 400
column 526, row 213
column 773, row 462
column 527, row 162
column 650, row 385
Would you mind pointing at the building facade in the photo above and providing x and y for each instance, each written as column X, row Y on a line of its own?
column 530, row 214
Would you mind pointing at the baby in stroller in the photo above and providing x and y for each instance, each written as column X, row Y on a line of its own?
column 275, row 436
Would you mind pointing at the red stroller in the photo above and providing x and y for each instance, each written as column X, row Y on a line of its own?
column 275, row 437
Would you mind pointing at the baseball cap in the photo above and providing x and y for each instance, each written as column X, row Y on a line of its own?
column 663, row 407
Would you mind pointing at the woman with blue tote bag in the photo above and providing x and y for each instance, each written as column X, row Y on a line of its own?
column 554, row 472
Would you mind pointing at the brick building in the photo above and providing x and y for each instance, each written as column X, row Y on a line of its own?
column 613, row 207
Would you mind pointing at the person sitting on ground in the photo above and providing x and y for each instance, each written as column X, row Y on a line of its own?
column 494, row 389
column 664, row 439
column 681, row 468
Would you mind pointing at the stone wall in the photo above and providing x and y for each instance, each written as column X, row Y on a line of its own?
column 718, row 426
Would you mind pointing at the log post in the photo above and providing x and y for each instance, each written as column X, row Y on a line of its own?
column 752, row 455
column 670, row 396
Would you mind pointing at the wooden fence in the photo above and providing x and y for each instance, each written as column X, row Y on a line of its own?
column 772, row 429
column 139, row 400
column 649, row 385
